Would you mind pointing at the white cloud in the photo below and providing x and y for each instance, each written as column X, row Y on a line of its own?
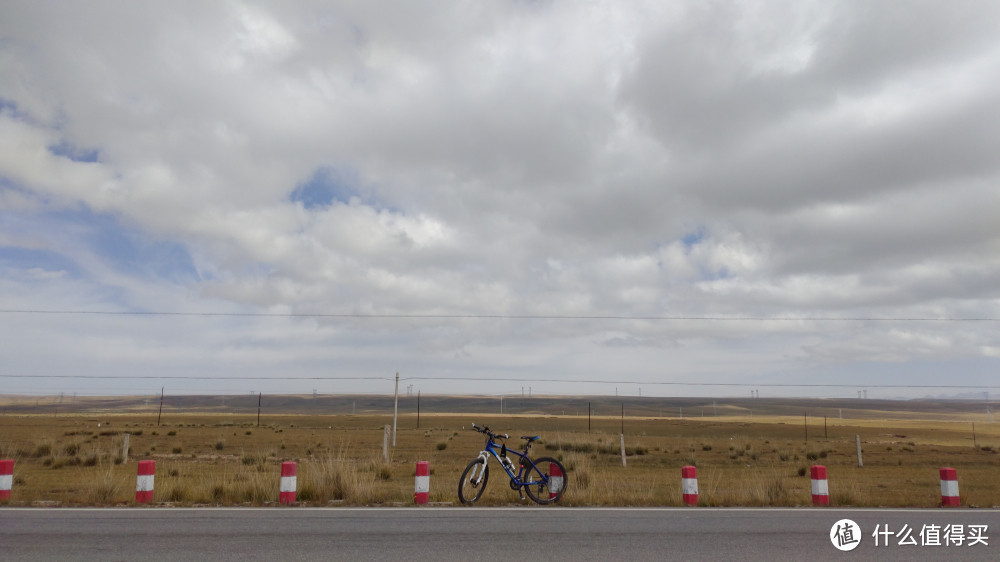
column 760, row 160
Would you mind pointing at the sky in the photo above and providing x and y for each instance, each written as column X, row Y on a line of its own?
column 694, row 198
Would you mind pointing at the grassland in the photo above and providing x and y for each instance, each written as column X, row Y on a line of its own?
column 77, row 459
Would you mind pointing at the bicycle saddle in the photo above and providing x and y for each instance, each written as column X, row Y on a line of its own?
column 530, row 439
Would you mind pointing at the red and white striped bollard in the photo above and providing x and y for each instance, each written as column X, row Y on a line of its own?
column 949, row 488
column 6, row 478
column 289, row 481
column 820, row 488
column 144, row 482
column 422, row 482
column 689, row 485
column 556, row 480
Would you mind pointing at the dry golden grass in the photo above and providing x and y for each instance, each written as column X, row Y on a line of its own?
column 224, row 460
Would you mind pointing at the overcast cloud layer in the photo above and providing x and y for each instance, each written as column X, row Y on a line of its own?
column 809, row 191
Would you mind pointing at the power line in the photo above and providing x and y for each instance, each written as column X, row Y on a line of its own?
column 501, row 379
column 193, row 377
column 678, row 383
column 396, row 316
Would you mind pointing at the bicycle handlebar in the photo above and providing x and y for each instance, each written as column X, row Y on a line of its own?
column 485, row 430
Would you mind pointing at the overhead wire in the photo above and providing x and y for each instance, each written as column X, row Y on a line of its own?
column 424, row 316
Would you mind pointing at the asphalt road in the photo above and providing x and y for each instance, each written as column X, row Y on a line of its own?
column 503, row 534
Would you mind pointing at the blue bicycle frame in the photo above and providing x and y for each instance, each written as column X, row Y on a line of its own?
column 524, row 464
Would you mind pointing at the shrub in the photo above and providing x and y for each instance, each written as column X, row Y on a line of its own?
column 177, row 494
column 802, row 471
column 442, row 446
column 106, row 488
column 257, row 461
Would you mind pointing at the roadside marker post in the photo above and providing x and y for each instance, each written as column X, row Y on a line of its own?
column 689, row 485
column 820, row 488
column 289, row 482
column 144, row 481
column 556, row 480
column 422, row 483
column 6, row 478
column 949, row 488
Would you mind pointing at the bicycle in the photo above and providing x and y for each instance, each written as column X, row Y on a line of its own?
column 544, row 478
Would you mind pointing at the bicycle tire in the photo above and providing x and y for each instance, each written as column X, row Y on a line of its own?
column 553, row 488
column 468, row 492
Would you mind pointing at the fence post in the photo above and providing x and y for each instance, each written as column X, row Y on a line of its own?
column 949, row 488
column 623, row 448
column 385, row 444
column 857, row 443
column 820, row 488
column 422, row 482
column 289, row 482
column 6, row 478
column 144, row 481
column 689, row 485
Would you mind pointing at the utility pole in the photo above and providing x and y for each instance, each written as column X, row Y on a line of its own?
column 395, row 411
column 161, row 407
column 622, row 435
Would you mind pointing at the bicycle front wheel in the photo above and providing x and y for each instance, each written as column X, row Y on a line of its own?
column 471, row 486
column 545, row 481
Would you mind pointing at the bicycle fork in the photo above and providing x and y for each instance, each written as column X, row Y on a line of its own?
column 477, row 474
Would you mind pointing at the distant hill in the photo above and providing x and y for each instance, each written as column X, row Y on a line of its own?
column 687, row 407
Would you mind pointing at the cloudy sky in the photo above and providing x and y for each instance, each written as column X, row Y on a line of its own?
column 494, row 195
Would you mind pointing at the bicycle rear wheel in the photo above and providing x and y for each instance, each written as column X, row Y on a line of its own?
column 545, row 482
column 469, row 490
